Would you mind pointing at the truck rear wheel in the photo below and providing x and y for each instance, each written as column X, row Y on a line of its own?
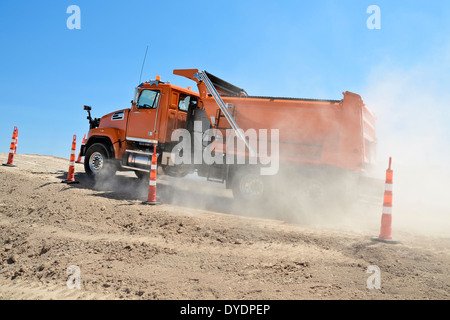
column 248, row 185
column 97, row 162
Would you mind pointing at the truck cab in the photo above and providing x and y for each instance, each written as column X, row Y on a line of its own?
column 124, row 139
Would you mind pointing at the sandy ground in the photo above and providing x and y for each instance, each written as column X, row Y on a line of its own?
column 197, row 244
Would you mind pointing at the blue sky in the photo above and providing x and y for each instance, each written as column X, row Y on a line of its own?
column 312, row 49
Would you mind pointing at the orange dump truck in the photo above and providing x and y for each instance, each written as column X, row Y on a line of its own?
column 251, row 143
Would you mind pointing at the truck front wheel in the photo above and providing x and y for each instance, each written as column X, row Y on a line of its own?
column 97, row 162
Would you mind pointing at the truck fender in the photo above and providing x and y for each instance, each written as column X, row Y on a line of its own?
column 111, row 137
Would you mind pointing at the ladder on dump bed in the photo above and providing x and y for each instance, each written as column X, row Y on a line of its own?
column 201, row 75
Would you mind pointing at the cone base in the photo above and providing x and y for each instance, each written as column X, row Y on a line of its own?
column 391, row 241
column 8, row 165
column 70, row 182
column 151, row 203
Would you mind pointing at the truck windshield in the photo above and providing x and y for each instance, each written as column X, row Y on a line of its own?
column 148, row 99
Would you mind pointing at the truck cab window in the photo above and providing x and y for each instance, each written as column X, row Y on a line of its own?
column 148, row 99
column 184, row 102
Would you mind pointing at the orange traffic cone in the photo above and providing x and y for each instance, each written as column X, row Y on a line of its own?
column 71, row 174
column 17, row 141
column 386, row 218
column 151, row 199
column 79, row 153
column 12, row 148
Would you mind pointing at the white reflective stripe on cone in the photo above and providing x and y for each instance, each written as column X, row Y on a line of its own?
column 11, row 150
column 152, row 183
column 388, row 187
column 153, row 167
column 387, row 210
column 72, row 164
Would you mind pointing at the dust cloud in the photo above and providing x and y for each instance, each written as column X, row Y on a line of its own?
column 121, row 186
column 413, row 128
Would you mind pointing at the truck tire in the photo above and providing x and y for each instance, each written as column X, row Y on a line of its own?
column 97, row 162
column 249, row 186
column 324, row 191
column 176, row 171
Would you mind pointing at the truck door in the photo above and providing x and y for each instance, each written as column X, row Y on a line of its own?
column 143, row 119
column 177, row 113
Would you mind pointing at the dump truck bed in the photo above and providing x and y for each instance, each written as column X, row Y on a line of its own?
column 329, row 132
column 315, row 131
